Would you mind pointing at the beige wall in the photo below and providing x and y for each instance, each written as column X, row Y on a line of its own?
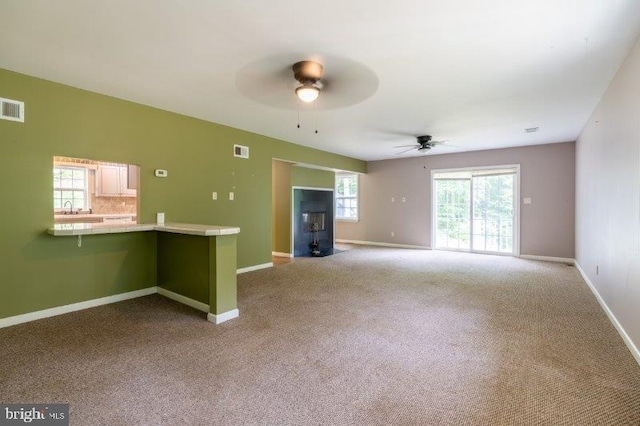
column 281, row 207
column 608, row 197
column 547, row 177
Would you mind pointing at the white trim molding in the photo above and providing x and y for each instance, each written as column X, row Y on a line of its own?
column 254, row 268
column 548, row 258
column 313, row 188
column 373, row 243
column 65, row 309
column 625, row 337
column 203, row 307
column 225, row 316
column 60, row 310
column 280, row 254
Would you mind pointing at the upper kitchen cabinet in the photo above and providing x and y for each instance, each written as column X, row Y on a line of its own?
column 132, row 176
column 116, row 180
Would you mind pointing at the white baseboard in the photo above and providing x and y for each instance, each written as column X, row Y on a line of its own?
column 280, row 254
column 254, row 268
column 183, row 299
column 225, row 316
column 59, row 310
column 549, row 258
column 373, row 243
column 625, row 337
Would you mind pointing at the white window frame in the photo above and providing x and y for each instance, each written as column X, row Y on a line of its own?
column 338, row 196
column 516, row 206
column 84, row 190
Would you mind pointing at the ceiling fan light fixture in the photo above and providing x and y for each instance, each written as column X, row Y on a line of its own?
column 308, row 92
column 308, row 73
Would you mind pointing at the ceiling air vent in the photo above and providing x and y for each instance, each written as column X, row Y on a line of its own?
column 531, row 129
column 240, row 151
column 11, row 110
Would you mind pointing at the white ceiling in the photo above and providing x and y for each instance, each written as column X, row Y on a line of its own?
column 474, row 72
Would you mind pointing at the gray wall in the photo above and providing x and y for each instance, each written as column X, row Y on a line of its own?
column 608, row 197
column 547, row 177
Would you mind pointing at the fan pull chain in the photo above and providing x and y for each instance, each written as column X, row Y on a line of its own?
column 298, row 116
column 316, row 113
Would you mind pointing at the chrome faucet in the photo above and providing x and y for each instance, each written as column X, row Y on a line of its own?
column 70, row 206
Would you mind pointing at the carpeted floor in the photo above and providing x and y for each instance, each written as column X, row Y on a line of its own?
column 368, row 336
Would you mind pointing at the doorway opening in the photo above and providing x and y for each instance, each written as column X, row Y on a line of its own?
column 476, row 209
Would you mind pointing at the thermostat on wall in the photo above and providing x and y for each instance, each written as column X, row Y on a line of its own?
column 161, row 173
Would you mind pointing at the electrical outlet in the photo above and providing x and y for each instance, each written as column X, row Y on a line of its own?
column 393, row 234
column 393, row 199
column 231, row 196
column 214, row 195
column 404, row 199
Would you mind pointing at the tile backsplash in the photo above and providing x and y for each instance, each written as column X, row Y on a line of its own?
column 113, row 205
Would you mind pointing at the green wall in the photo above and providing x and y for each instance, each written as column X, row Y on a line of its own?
column 38, row 271
column 312, row 178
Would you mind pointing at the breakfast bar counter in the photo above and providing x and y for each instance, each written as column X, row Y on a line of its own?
column 71, row 229
column 196, row 264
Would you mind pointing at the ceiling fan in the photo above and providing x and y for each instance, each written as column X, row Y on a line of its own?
column 424, row 144
column 295, row 80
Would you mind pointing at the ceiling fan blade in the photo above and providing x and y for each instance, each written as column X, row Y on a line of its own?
column 406, row 150
column 444, row 143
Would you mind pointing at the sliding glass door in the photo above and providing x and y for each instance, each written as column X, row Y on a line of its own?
column 476, row 210
column 453, row 213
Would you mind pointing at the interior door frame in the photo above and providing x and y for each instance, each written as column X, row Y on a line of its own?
column 516, row 208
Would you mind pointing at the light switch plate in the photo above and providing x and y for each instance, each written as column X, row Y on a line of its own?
column 231, row 196
column 526, row 200
column 214, row 195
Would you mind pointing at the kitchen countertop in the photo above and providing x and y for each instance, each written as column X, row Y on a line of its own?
column 90, row 215
column 71, row 229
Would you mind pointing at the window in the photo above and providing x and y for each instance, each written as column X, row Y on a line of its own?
column 476, row 209
column 70, row 188
column 347, row 196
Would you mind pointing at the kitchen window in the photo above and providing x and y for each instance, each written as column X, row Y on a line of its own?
column 70, row 188
column 347, row 196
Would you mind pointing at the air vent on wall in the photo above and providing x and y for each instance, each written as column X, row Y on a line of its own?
column 11, row 110
column 240, row 151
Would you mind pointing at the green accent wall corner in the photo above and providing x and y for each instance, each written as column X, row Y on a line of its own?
column 38, row 271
